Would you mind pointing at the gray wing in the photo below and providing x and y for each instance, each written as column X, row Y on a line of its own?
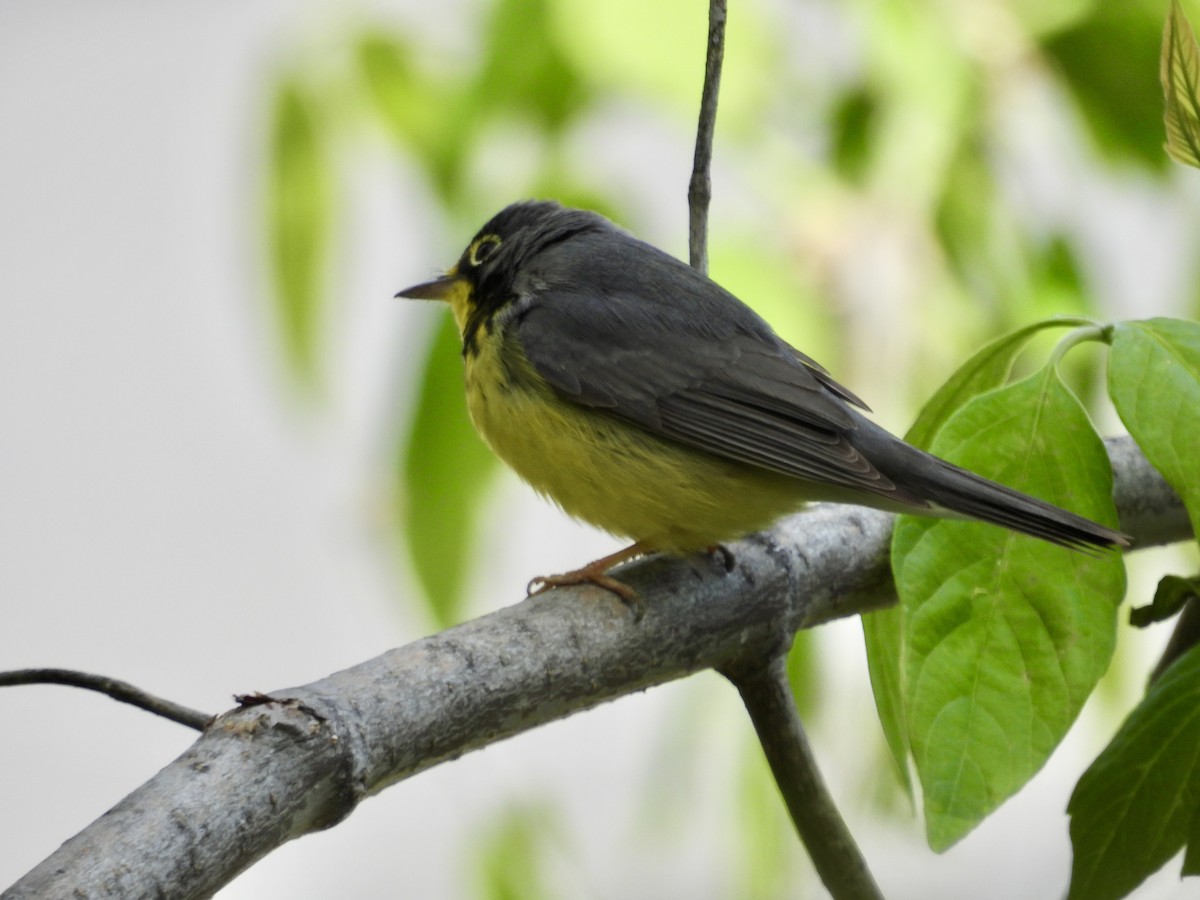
column 705, row 374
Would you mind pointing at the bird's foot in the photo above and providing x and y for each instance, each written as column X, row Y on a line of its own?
column 596, row 573
column 584, row 576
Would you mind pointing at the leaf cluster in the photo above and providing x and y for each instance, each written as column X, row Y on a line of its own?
column 999, row 640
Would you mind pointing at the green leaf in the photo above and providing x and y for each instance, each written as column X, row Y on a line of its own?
column 1138, row 803
column 406, row 102
column 525, row 68
column 764, row 838
column 754, row 268
column 1055, row 283
column 852, row 135
column 804, row 673
column 655, row 52
column 423, row 114
column 1180, row 75
column 1172, row 594
column 299, row 213
column 883, row 634
column 510, row 862
column 1191, row 857
column 883, row 631
column 1154, row 382
column 446, row 468
column 1108, row 59
column 1004, row 635
column 1039, row 18
column 969, row 217
column 985, row 370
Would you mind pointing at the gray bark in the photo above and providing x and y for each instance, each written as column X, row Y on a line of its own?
column 266, row 773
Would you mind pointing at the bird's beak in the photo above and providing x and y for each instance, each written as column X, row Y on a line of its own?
column 438, row 289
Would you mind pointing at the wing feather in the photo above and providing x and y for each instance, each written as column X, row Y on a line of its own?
column 718, row 380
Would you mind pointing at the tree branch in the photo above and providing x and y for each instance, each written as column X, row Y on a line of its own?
column 767, row 693
column 121, row 691
column 264, row 774
column 700, row 186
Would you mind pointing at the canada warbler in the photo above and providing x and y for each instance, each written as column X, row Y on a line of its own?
column 644, row 398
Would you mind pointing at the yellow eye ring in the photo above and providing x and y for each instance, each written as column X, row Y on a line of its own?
column 482, row 249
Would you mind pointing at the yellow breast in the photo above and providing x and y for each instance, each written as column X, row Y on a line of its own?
column 613, row 474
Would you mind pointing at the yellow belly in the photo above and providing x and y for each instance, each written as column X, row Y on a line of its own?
column 615, row 475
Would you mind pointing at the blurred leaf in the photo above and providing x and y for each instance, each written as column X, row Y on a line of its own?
column 509, row 863
column 756, row 269
column 1154, row 382
column 654, row 52
column 1139, row 802
column 930, row 99
column 1108, row 60
column 1052, row 288
column 1172, row 594
column 965, row 217
column 524, row 67
column 446, row 468
column 1005, row 635
column 1058, row 286
column 411, row 106
column 521, row 72
column 569, row 192
column 299, row 213
column 804, row 673
column 1060, row 264
column 420, row 111
column 1014, row 275
column 765, row 837
column 1040, row 18
column 852, row 121
column 1180, row 75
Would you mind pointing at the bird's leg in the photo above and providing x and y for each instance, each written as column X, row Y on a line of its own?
column 595, row 573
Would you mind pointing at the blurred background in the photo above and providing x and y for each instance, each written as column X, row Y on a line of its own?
column 230, row 461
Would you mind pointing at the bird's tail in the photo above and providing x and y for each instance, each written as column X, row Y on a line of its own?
column 974, row 496
column 956, row 490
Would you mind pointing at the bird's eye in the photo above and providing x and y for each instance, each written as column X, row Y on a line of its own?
column 483, row 248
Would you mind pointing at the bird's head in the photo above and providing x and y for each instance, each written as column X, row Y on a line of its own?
column 487, row 276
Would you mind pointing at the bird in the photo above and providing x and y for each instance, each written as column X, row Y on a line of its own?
column 645, row 399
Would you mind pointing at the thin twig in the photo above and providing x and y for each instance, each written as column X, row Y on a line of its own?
column 700, row 187
column 119, row 690
column 767, row 693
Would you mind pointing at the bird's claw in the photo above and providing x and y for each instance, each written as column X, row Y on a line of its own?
column 585, row 575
